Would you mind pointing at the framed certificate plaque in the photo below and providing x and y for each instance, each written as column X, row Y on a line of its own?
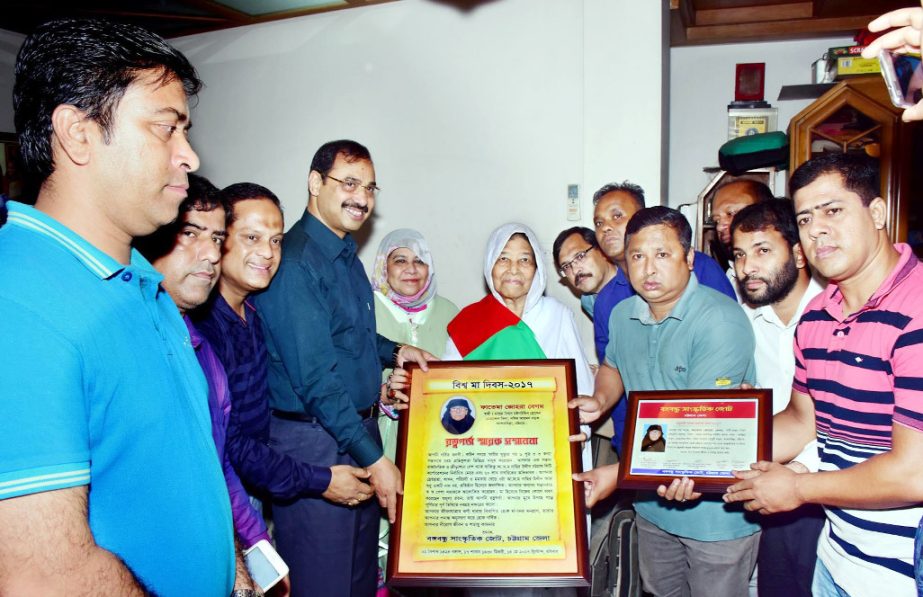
column 700, row 434
column 488, row 496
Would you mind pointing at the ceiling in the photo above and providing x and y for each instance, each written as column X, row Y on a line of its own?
column 169, row 18
column 692, row 22
column 698, row 22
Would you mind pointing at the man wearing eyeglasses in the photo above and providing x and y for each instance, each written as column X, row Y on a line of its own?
column 324, row 372
column 580, row 262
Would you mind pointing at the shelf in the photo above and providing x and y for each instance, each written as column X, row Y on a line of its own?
column 801, row 92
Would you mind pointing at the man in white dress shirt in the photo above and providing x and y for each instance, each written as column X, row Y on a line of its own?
column 776, row 286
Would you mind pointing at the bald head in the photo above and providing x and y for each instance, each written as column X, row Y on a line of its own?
column 730, row 199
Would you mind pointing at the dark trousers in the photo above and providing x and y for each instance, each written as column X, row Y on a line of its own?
column 331, row 550
column 788, row 552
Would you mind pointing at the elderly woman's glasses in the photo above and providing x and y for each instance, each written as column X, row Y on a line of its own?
column 352, row 186
column 578, row 258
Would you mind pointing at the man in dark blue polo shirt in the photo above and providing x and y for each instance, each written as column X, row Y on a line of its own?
column 325, row 363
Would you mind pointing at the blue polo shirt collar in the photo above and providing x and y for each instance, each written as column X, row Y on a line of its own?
column 642, row 312
column 101, row 265
column 331, row 246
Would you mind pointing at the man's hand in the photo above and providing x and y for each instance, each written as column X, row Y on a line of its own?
column 767, row 488
column 679, row 490
column 283, row 588
column 905, row 39
column 347, row 486
column 419, row 356
column 598, row 483
column 386, row 480
column 588, row 408
column 396, row 391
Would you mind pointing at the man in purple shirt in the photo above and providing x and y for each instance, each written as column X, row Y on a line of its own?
column 187, row 254
column 250, row 259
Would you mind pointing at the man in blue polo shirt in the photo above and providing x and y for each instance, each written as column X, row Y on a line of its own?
column 676, row 334
column 109, row 479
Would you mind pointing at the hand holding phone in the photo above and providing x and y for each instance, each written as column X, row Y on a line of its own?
column 906, row 28
column 903, row 76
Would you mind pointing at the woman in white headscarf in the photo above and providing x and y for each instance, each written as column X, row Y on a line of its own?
column 516, row 320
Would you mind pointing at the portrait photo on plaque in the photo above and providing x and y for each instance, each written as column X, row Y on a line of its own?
column 487, row 463
column 701, row 434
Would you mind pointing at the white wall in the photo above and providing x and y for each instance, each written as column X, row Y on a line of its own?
column 702, row 85
column 9, row 46
column 473, row 119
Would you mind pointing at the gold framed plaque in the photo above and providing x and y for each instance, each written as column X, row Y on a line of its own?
column 488, row 495
column 700, row 434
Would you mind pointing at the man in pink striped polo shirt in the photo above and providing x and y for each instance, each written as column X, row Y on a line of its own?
column 858, row 387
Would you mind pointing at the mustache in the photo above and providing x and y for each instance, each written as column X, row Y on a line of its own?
column 579, row 277
column 748, row 278
column 354, row 205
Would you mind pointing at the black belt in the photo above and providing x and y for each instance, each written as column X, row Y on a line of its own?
column 368, row 413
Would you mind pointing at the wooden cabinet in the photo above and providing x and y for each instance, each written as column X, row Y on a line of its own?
column 856, row 115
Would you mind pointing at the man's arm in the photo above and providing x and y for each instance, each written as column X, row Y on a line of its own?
column 888, row 480
column 891, row 479
column 47, row 548
column 606, row 393
column 242, row 580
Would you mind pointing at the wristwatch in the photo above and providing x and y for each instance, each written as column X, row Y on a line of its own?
column 397, row 349
column 246, row 593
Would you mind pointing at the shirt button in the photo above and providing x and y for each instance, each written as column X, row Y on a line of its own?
column 126, row 276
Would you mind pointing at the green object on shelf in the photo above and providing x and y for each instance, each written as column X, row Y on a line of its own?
column 762, row 150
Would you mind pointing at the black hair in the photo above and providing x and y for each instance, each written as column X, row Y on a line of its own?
column 86, row 63
column 588, row 235
column 201, row 196
column 775, row 213
column 860, row 174
column 636, row 192
column 351, row 151
column 660, row 216
column 243, row 191
column 758, row 190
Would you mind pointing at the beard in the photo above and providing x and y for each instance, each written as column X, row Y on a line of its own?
column 777, row 287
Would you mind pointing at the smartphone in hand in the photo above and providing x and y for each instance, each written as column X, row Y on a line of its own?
column 903, row 76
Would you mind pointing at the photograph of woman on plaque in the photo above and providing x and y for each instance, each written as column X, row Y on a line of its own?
column 457, row 417
column 654, row 441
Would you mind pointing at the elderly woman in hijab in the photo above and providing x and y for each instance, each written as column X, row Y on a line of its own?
column 653, row 441
column 517, row 321
column 457, row 418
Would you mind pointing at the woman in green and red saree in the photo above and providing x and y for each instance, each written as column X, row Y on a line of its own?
column 516, row 320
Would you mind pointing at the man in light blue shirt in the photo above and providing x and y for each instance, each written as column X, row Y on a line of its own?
column 675, row 335
column 109, row 478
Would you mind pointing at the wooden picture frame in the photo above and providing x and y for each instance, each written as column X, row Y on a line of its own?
column 490, row 501
column 704, row 435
